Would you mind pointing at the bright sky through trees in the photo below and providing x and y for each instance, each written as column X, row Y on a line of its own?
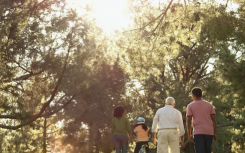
column 110, row 14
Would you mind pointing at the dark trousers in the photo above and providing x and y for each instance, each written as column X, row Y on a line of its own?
column 139, row 145
column 121, row 143
column 203, row 143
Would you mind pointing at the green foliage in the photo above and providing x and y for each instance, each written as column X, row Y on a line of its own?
column 169, row 57
column 58, row 66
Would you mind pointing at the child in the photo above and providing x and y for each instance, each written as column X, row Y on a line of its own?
column 141, row 130
column 120, row 128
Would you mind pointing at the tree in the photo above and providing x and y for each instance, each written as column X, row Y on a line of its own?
column 57, row 65
column 40, row 41
column 89, row 116
column 171, row 53
column 230, row 44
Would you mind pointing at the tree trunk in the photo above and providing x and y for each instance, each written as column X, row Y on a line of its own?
column 97, row 140
column 92, row 135
column 44, row 136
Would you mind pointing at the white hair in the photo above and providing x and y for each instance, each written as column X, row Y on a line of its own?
column 170, row 101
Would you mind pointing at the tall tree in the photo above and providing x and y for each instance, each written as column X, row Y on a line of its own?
column 92, row 112
column 47, row 56
column 173, row 49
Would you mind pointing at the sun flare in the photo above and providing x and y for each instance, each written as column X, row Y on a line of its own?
column 109, row 14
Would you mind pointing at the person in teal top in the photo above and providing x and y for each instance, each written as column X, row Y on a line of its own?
column 120, row 128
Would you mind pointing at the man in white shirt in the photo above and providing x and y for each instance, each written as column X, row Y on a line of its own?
column 170, row 128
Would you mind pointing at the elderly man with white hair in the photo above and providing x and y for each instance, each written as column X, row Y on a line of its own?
column 170, row 128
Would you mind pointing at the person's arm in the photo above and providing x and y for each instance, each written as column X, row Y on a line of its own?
column 181, row 129
column 213, row 118
column 112, row 126
column 189, row 127
column 134, row 133
column 131, row 138
column 129, row 131
column 181, row 141
column 214, row 125
column 189, row 116
column 154, row 128
column 154, row 138
column 149, row 131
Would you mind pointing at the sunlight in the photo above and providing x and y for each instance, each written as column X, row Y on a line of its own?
column 60, row 124
column 109, row 14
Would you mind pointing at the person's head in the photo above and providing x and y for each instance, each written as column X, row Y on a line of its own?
column 141, row 121
column 196, row 93
column 170, row 101
column 119, row 111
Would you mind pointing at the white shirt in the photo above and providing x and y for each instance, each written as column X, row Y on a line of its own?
column 168, row 117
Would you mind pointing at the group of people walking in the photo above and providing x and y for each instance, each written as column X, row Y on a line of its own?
column 167, row 128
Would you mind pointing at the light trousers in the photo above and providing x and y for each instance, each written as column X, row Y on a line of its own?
column 168, row 141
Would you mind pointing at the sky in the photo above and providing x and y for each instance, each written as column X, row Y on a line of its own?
column 111, row 15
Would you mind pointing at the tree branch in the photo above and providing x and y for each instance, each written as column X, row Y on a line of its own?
column 161, row 15
column 45, row 105
column 27, row 76
column 165, row 12
column 230, row 124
